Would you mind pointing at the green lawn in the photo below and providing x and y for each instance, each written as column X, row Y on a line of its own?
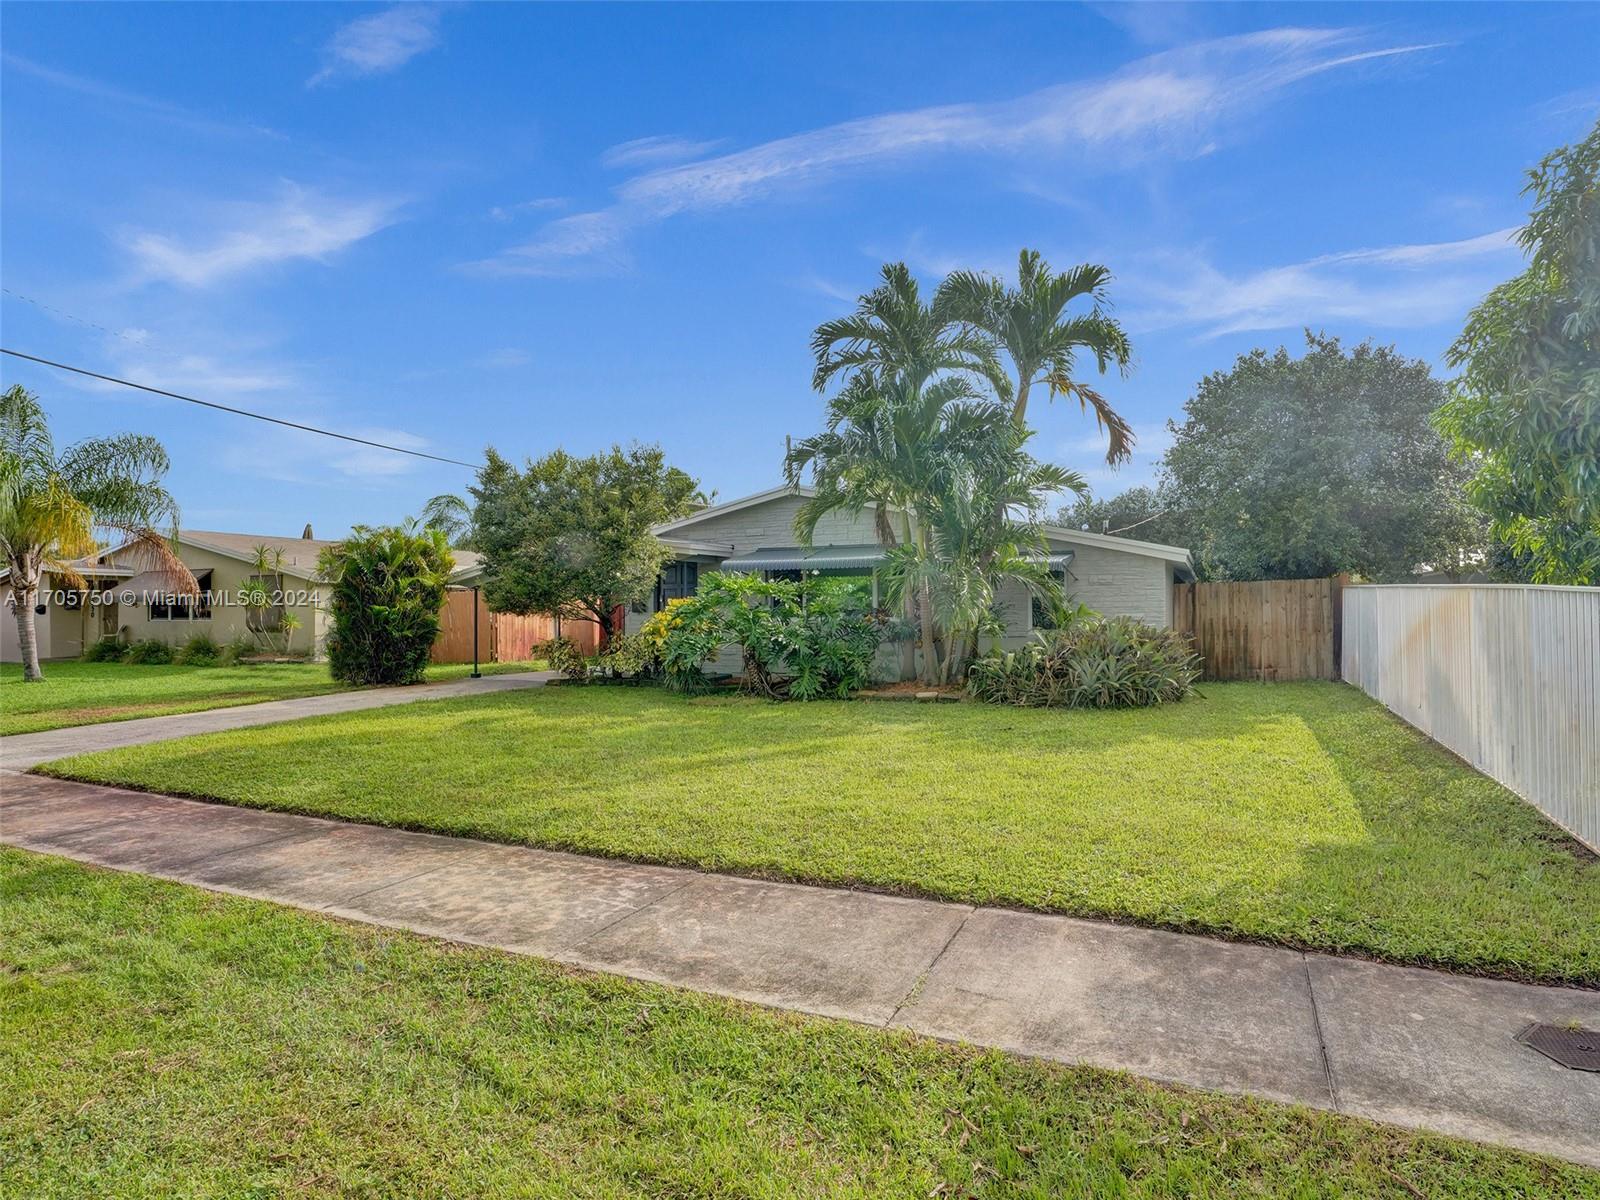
column 1295, row 813
column 81, row 693
column 158, row 1040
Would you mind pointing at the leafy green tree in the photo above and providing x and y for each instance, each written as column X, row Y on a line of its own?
column 386, row 589
column 51, row 506
column 571, row 536
column 1306, row 467
column 1030, row 324
column 1526, row 409
column 1147, row 514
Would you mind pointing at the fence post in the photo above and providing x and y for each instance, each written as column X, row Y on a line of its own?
column 1338, row 584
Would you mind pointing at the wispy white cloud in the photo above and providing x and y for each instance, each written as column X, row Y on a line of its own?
column 122, row 101
column 253, row 376
column 1583, row 100
column 503, row 359
column 298, row 224
column 507, row 212
column 580, row 243
column 1087, row 455
column 1404, row 286
column 1153, row 22
column 293, row 456
column 1176, row 103
column 813, row 282
column 376, row 44
column 653, row 151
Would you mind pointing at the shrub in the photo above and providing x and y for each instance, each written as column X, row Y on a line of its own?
column 149, row 652
column 1103, row 662
column 201, row 650
column 563, row 655
column 804, row 641
column 632, row 658
column 242, row 647
column 107, row 649
column 386, row 587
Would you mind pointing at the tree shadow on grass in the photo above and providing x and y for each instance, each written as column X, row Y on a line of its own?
column 1301, row 814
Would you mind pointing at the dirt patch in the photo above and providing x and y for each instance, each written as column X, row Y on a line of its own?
column 912, row 690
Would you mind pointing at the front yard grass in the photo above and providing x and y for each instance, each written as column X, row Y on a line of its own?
column 1302, row 814
column 83, row 693
column 158, row 1040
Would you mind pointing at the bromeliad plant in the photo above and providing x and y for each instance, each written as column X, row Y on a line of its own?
column 802, row 641
column 1093, row 662
column 387, row 589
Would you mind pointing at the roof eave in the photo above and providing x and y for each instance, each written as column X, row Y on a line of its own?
column 717, row 510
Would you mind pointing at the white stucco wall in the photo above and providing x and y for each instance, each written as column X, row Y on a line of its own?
column 1118, row 583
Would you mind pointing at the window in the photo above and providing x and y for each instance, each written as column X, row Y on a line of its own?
column 679, row 580
column 185, row 608
column 202, row 607
column 1041, row 615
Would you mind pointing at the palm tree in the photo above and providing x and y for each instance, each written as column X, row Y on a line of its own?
column 947, row 464
column 451, row 515
column 51, row 506
column 989, row 535
column 1030, row 324
column 893, row 333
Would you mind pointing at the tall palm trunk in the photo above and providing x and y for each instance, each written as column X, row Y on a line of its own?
column 1019, row 410
column 908, row 606
column 930, row 645
column 25, row 590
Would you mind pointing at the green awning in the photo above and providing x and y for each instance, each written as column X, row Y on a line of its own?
column 806, row 558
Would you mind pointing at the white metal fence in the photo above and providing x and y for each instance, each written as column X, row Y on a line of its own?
column 1507, row 676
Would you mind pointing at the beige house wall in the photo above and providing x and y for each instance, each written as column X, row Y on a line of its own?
column 60, row 630
column 228, row 618
column 1116, row 583
column 1107, row 578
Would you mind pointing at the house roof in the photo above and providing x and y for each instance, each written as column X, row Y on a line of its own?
column 690, row 546
column 299, row 554
column 468, row 568
column 717, row 510
column 1178, row 556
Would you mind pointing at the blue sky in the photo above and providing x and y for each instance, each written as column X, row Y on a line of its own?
column 540, row 225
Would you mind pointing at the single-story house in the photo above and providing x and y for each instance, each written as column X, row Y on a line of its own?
column 1112, row 575
column 123, row 600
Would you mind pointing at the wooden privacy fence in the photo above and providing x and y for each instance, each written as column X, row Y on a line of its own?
column 1270, row 629
column 503, row 637
column 1505, row 675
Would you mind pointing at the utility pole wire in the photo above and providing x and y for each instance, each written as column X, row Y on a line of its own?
column 1136, row 524
column 240, row 412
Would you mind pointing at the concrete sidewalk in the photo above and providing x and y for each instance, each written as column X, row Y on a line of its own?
column 23, row 751
column 1419, row 1048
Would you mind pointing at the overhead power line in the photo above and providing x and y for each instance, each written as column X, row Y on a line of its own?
column 240, row 412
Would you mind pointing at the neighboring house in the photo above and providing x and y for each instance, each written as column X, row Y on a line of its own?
column 133, row 604
column 1112, row 575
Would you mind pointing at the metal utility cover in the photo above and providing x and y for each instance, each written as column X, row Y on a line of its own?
column 1570, row 1045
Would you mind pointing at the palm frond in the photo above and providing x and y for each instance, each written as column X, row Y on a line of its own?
column 1120, row 438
